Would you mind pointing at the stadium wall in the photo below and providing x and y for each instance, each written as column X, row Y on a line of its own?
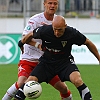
column 10, row 34
column 12, row 25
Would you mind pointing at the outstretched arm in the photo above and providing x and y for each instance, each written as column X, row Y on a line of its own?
column 93, row 49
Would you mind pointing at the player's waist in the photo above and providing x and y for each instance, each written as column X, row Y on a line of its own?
column 30, row 60
column 31, row 50
column 55, row 56
column 29, row 63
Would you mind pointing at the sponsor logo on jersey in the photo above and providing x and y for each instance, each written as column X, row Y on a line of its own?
column 31, row 22
column 64, row 43
column 53, row 50
column 29, row 27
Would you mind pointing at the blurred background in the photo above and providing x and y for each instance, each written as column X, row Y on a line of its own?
column 67, row 8
column 84, row 15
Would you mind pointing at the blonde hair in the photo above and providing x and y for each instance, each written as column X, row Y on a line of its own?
column 46, row 0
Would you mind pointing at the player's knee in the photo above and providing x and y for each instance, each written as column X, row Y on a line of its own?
column 78, row 82
column 76, row 79
column 20, row 83
column 64, row 90
column 32, row 78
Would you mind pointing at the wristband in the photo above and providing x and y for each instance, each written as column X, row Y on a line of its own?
column 20, row 44
column 37, row 44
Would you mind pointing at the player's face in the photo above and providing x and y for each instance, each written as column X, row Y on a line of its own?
column 51, row 6
column 58, row 31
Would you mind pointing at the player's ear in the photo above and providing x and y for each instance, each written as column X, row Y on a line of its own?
column 65, row 25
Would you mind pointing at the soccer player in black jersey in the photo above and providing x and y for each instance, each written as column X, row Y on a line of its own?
column 57, row 41
column 30, row 55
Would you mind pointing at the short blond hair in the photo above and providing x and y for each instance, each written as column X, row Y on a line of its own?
column 46, row 0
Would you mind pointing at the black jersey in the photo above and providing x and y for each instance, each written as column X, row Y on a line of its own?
column 55, row 47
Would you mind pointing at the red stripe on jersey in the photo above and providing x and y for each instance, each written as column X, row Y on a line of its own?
column 31, row 22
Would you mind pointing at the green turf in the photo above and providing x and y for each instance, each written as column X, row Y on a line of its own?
column 89, row 73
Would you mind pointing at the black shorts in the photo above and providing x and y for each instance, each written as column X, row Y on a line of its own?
column 46, row 69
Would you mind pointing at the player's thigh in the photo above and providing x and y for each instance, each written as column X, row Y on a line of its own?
column 25, row 68
column 66, row 72
column 42, row 73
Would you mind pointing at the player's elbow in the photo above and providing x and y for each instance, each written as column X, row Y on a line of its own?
column 87, row 42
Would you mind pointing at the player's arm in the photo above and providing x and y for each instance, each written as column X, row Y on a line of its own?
column 36, row 44
column 92, row 48
column 28, row 39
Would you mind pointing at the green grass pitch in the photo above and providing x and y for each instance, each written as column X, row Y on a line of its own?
column 90, row 75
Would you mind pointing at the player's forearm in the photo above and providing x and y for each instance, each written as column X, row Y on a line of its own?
column 95, row 52
column 93, row 49
column 36, row 44
column 32, row 43
column 27, row 38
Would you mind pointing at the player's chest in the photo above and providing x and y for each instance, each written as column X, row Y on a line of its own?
column 55, row 43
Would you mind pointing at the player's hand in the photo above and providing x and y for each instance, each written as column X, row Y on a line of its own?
column 22, row 49
column 20, row 44
column 39, row 46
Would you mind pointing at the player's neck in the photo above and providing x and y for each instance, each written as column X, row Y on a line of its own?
column 48, row 16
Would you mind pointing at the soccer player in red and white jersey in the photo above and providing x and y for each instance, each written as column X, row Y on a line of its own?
column 30, row 54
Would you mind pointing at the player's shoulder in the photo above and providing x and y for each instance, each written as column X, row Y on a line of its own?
column 44, row 28
column 37, row 16
column 70, row 28
column 70, row 31
column 47, row 27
